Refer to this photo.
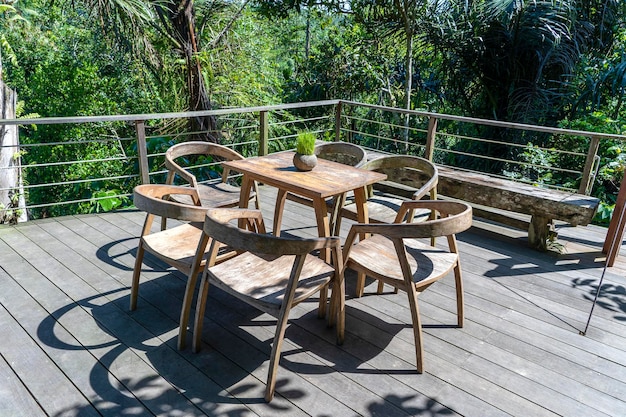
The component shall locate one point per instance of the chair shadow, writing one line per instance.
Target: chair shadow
(129, 336)
(216, 380)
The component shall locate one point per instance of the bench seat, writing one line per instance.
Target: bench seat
(542, 204)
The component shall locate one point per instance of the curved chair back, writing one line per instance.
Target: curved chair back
(343, 152)
(155, 199)
(218, 224)
(195, 148)
(411, 171)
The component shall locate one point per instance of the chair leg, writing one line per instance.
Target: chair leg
(337, 315)
(458, 281)
(278, 211)
(192, 279)
(321, 310)
(186, 308)
(381, 287)
(281, 326)
(417, 328)
(335, 222)
(200, 307)
(134, 288)
(360, 284)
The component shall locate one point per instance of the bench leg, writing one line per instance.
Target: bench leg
(538, 232)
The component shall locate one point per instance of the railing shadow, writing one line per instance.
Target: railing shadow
(515, 259)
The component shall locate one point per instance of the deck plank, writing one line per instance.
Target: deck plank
(64, 288)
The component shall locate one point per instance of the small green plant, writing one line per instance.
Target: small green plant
(305, 143)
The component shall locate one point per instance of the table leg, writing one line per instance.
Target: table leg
(278, 210)
(323, 226)
(244, 197)
(360, 199)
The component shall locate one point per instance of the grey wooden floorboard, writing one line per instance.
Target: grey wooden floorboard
(15, 397)
(519, 353)
(309, 390)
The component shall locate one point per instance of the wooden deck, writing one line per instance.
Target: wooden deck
(70, 347)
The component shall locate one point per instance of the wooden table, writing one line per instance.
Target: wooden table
(327, 179)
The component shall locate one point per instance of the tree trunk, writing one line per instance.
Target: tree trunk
(182, 18)
(11, 185)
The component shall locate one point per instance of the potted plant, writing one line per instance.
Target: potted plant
(305, 158)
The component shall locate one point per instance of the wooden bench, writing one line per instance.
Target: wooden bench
(542, 204)
(508, 202)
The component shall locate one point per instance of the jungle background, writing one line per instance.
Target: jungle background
(554, 63)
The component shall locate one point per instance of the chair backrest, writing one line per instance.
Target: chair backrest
(454, 217)
(154, 200)
(416, 176)
(342, 152)
(196, 148)
(219, 225)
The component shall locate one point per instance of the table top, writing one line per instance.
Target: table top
(325, 180)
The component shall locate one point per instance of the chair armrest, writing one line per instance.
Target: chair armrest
(455, 217)
(429, 187)
(444, 208)
(153, 199)
(175, 169)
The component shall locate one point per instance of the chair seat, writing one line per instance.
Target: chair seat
(219, 194)
(177, 245)
(427, 263)
(382, 208)
(263, 279)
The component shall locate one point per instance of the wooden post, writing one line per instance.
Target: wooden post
(338, 122)
(12, 201)
(615, 233)
(429, 151)
(263, 133)
(142, 152)
(594, 145)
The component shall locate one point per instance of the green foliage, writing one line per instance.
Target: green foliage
(108, 200)
(604, 213)
(305, 143)
(612, 156)
(528, 61)
(10, 214)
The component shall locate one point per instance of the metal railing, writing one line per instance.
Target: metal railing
(87, 169)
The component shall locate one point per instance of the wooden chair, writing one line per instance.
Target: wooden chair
(408, 178)
(213, 193)
(341, 152)
(272, 274)
(176, 246)
(394, 255)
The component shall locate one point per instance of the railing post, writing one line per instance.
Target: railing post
(142, 152)
(263, 133)
(594, 145)
(338, 122)
(429, 151)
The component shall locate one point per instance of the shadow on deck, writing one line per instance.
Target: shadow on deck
(70, 347)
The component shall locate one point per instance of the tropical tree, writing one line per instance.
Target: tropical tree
(514, 59)
(174, 22)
